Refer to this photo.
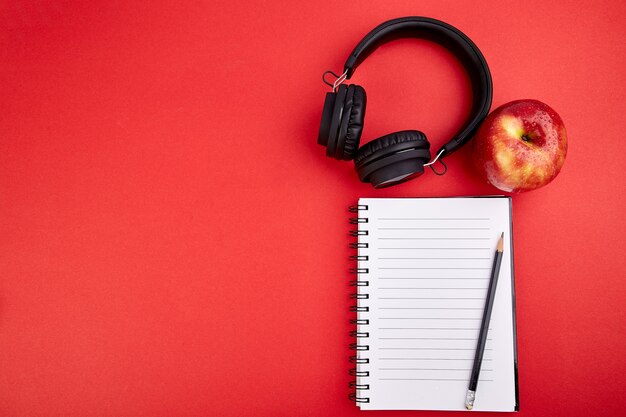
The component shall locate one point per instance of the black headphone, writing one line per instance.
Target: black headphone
(400, 156)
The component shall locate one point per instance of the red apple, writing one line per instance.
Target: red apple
(520, 146)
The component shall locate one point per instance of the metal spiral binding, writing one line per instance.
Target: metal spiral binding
(360, 384)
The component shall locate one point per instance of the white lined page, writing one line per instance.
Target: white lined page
(429, 263)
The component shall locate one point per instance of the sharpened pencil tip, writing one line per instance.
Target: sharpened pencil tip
(500, 246)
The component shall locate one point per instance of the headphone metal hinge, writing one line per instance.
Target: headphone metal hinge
(339, 79)
(431, 163)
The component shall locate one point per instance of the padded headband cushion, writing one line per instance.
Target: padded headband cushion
(378, 148)
(355, 123)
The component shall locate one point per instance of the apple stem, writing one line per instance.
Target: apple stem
(526, 138)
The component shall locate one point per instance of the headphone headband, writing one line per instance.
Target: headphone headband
(452, 39)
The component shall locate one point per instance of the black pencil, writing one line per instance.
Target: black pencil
(484, 325)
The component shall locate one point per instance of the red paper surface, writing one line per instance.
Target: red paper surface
(173, 240)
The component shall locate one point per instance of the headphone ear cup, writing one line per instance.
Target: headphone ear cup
(331, 120)
(353, 122)
(327, 115)
(393, 159)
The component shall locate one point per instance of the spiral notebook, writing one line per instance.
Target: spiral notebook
(423, 268)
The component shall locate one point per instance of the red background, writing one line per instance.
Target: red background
(173, 240)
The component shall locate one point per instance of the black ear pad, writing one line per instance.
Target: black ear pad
(343, 123)
(351, 123)
(393, 158)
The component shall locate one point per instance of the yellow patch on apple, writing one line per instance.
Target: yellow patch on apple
(513, 126)
(504, 156)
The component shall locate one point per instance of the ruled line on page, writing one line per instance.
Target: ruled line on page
(433, 218)
(433, 228)
(432, 379)
(436, 268)
(432, 279)
(430, 298)
(433, 238)
(429, 338)
(433, 359)
(429, 318)
(431, 328)
(421, 348)
(431, 248)
(432, 288)
(432, 369)
(431, 308)
(430, 257)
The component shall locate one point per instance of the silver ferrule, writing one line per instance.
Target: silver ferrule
(469, 399)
